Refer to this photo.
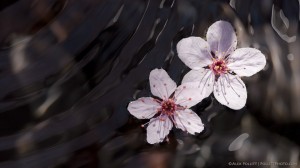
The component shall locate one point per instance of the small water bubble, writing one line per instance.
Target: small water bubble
(180, 144)
(290, 57)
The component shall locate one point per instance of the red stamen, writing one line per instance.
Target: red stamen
(168, 107)
(219, 66)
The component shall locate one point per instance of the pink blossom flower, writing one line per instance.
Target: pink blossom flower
(170, 107)
(217, 65)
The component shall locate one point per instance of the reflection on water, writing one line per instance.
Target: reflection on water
(68, 70)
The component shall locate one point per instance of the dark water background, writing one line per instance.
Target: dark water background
(69, 68)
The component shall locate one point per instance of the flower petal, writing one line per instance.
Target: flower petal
(189, 121)
(230, 91)
(189, 94)
(194, 52)
(221, 38)
(246, 61)
(161, 84)
(158, 129)
(204, 78)
(143, 108)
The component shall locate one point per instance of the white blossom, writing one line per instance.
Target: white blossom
(171, 107)
(217, 65)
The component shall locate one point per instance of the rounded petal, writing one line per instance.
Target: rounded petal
(204, 78)
(143, 108)
(161, 84)
(158, 129)
(189, 121)
(221, 38)
(188, 94)
(230, 91)
(194, 52)
(246, 61)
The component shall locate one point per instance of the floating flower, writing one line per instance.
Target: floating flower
(170, 107)
(217, 65)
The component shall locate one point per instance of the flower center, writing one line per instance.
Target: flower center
(219, 66)
(168, 107)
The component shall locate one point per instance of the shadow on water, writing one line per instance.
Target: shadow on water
(68, 70)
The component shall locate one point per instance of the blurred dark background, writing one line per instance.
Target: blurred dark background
(69, 68)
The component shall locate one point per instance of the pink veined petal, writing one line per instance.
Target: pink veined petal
(143, 108)
(189, 121)
(189, 94)
(161, 84)
(204, 78)
(158, 129)
(246, 61)
(221, 38)
(194, 52)
(230, 91)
